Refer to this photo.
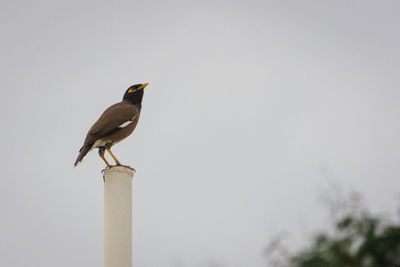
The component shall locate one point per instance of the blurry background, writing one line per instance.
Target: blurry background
(253, 109)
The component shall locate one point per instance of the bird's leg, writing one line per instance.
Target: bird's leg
(112, 155)
(101, 154)
(116, 161)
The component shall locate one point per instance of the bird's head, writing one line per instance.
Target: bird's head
(134, 94)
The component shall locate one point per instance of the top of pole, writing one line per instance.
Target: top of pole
(117, 169)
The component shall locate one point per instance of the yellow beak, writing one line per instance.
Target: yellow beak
(143, 86)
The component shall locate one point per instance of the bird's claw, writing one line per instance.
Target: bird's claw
(129, 167)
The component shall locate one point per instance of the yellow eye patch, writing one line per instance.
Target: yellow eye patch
(132, 90)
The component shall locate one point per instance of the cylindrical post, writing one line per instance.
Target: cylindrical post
(118, 217)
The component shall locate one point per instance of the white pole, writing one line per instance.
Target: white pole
(118, 217)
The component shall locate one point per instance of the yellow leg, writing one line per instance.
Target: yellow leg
(112, 155)
(103, 158)
(101, 154)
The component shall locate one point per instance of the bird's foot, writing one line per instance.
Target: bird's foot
(106, 168)
(126, 166)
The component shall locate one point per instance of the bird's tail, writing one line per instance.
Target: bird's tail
(82, 153)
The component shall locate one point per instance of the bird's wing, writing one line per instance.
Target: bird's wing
(117, 116)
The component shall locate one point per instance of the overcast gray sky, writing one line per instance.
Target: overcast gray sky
(253, 109)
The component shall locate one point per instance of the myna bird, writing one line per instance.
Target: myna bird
(114, 125)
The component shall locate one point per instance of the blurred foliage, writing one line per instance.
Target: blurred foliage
(357, 239)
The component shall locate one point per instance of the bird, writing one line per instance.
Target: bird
(115, 124)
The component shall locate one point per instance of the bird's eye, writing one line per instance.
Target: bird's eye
(131, 90)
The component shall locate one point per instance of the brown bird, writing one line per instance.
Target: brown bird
(115, 124)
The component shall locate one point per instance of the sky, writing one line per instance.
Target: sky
(254, 109)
